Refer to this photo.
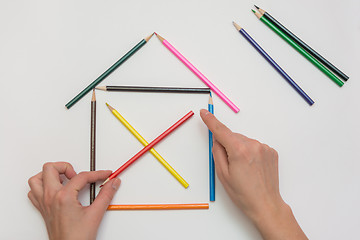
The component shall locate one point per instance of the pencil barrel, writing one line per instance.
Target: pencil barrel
(159, 206)
(105, 74)
(157, 89)
(306, 47)
(303, 52)
(92, 148)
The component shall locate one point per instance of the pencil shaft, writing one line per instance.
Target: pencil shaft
(92, 148)
(211, 161)
(151, 145)
(200, 75)
(152, 150)
(277, 67)
(157, 89)
(159, 206)
(302, 52)
(306, 47)
(105, 74)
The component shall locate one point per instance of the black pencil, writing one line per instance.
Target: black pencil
(303, 44)
(154, 89)
(92, 144)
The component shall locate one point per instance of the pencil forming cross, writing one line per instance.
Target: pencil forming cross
(145, 143)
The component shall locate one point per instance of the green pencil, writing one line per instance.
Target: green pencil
(300, 49)
(108, 72)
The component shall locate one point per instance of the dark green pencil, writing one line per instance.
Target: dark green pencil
(322, 68)
(108, 72)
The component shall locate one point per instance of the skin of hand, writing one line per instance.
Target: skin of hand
(248, 170)
(64, 216)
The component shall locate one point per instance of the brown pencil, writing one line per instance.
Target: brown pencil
(92, 144)
(159, 206)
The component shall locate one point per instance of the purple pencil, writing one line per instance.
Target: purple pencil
(274, 64)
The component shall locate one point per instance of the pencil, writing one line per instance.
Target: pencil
(108, 72)
(211, 157)
(153, 89)
(148, 147)
(300, 49)
(92, 144)
(198, 73)
(159, 206)
(274, 64)
(303, 44)
(145, 143)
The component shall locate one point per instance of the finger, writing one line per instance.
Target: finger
(102, 201)
(219, 130)
(80, 180)
(33, 200)
(36, 186)
(221, 160)
(51, 174)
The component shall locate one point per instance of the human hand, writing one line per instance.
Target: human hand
(64, 216)
(248, 171)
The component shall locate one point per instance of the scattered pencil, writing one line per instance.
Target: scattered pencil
(197, 73)
(148, 147)
(303, 44)
(108, 72)
(153, 89)
(145, 143)
(274, 64)
(211, 156)
(299, 49)
(92, 144)
(159, 206)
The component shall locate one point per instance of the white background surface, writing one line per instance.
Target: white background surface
(50, 50)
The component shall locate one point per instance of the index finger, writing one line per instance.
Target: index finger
(218, 129)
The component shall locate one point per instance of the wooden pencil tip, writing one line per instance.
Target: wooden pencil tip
(210, 100)
(103, 88)
(93, 99)
(237, 26)
(159, 37)
(110, 107)
(253, 10)
(148, 38)
(256, 6)
(104, 182)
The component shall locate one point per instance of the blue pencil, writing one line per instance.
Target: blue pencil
(211, 157)
(274, 64)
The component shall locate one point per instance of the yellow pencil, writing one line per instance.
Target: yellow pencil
(145, 143)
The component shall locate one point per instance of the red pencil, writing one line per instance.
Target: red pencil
(148, 147)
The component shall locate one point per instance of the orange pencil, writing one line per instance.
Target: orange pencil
(159, 206)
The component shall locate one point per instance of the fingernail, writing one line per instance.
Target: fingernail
(204, 111)
(116, 184)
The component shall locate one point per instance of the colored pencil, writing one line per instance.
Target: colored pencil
(274, 64)
(145, 143)
(148, 147)
(153, 89)
(108, 72)
(211, 157)
(159, 206)
(198, 73)
(303, 44)
(300, 49)
(92, 144)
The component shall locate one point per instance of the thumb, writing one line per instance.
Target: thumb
(104, 197)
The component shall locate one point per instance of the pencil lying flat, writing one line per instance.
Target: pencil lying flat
(299, 49)
(198, 73)
(148, 147)
(303, 44)
(159, 206)
(108, 72)
(92, 144)
(153, 89)
(145, 143)
(211, 157)
(274, 64)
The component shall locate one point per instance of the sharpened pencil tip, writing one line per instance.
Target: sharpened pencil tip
(93, 99)
(155, 33)
(236, 26)
(253, 10)
(256, 6)
(110, 107)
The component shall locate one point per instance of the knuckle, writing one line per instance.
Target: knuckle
(47, 165)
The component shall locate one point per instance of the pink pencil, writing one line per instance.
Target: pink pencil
(198, 74)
